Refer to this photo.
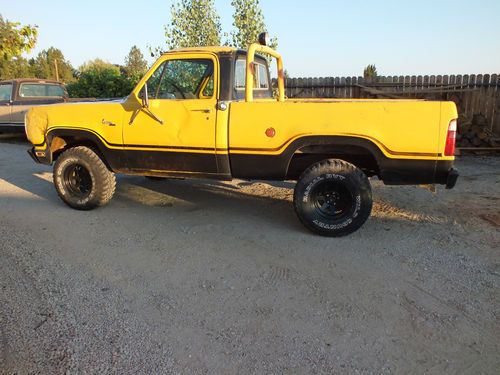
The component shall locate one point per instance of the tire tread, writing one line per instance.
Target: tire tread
(106, 177)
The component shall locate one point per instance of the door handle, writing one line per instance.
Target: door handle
(203, 110)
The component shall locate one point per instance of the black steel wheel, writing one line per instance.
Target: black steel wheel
(332, 200)
(77, 180)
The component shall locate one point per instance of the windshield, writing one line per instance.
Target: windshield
(182, 79)
(44, 90)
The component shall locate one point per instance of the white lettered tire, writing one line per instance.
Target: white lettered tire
(333, 198)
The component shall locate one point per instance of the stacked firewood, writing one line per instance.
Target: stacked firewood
(473, 131)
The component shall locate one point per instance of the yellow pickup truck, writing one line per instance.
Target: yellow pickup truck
(210, 112)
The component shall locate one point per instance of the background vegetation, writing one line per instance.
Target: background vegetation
(193, 23)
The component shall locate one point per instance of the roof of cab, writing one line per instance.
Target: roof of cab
(34, 80)
(213, 49)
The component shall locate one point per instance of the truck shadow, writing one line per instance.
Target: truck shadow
(215, 197)
(268, 202)
(38, 183)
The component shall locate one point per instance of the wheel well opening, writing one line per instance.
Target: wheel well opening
(62, 143)
(356, 155)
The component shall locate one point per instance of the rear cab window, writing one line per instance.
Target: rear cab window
(5, 92)
(41, 90)
(261, 80)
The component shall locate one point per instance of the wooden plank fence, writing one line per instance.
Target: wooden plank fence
(477, 97)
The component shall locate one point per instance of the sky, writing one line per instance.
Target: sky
(317, 38)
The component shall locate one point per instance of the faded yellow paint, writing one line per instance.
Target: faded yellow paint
(93, 115)
(401, 129)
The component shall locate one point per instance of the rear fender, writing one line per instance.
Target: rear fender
(360, 152)
(392, 171)
(277, 167)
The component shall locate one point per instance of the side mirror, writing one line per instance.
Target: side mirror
(145, 96)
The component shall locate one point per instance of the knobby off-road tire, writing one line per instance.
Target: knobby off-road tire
(82, 180)
(333, 198)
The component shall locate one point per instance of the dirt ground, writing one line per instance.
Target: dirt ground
(203, 277)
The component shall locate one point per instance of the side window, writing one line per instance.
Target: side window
(263, 77)
(37, 90)
(182, 79)
(5, 91)
(240, 75)
(260, 80)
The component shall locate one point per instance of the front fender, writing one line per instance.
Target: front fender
(36, 122)
(112, 155)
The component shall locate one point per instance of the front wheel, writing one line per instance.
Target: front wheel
(333, 198)
(82, 180)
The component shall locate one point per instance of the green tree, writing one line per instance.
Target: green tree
(98, 64)
(16, 39)
(43, 65)
(248, 22)
(100, 79)
(17, 67)
(370, 71)
(194, 23)
(135, 64)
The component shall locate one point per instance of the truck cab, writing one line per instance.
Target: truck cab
(182, 109)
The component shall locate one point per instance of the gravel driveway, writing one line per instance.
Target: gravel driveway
(203, 277)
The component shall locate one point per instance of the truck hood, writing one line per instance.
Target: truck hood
(93, 100)
(86, 115)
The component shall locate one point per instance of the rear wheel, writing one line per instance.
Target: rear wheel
(82, 180)
(333, 198)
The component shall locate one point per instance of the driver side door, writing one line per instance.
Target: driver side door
(175, 132)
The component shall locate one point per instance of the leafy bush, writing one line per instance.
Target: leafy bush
(98, 79)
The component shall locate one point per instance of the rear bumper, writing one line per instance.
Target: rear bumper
(445, 174)
(417, 172)
(452, 178)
